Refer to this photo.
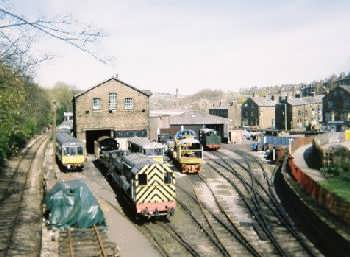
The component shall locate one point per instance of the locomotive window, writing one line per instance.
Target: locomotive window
(80, 150)
(142, 179)
(168, 178)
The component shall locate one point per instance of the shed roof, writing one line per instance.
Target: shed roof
(263, 101)
(198, 118)
(145, 92)
(219, 107)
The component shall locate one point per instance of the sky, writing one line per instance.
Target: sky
(162, 45)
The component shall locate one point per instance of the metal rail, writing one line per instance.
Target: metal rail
(235, 231)
(252, 189)
(11, 211)
(282, 215)
(256, 210)
(70, 244)
(198, 223)
(100, 243)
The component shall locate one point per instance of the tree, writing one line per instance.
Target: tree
(62, 93)
(24, 106)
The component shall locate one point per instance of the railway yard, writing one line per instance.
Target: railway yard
(228, 209)
(172, 129)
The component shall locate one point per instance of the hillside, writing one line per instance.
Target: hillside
(199, 101)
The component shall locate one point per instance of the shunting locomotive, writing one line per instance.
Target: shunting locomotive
(69, 152)
(187, 151)
(210, 139)
(149, 186)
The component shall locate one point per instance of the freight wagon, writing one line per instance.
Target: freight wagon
(145, 146)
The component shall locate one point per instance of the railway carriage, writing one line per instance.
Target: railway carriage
(69, 152)
(149, 186)
(145, 146)
(210, 139)
(187, 152)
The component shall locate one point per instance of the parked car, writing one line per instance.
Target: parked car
(254, 146)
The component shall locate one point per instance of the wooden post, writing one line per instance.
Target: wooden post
(54, 130)
(285, 117)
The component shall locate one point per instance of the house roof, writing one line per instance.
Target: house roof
(198, 118)
(145, 92)
(263, 101)
(306, 100)
(219, 108)
(345, 87)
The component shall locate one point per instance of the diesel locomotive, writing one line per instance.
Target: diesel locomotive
(148, 185)
(187, 151)
(210, 139)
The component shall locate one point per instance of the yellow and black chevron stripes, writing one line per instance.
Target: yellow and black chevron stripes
(154, 194)
(155, 190)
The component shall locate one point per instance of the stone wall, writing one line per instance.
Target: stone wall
(328, 200)
(329, 150)
(266, 117)
(120, 119)
(306, 216)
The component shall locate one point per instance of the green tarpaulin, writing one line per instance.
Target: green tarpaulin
(71, 204)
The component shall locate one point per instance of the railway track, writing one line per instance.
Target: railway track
(255, 189)
(12, 186)
(226, 232)
(234, 229)
(89, 242)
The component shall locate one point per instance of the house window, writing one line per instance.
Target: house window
(330, 104)
(96, 104)
(112, 103)
(128, 104)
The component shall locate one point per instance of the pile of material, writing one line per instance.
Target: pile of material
(71, 204)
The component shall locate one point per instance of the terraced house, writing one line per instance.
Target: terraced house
(111, 108)
(258, 112)
(336, 108)
(302, 113)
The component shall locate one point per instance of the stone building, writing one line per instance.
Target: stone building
(174, 121)
(111, 108)
(232, 112)
(302, 113)
(336, 108)
(258, 112)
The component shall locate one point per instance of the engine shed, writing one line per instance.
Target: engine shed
(112, 108)
(196, 121)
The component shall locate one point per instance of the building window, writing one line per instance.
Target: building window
(330, 104)
(96, 104)
(128, 104)
(112, 103)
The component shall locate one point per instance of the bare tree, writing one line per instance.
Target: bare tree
(17, 33)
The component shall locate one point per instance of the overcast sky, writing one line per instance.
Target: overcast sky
(162, 45)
